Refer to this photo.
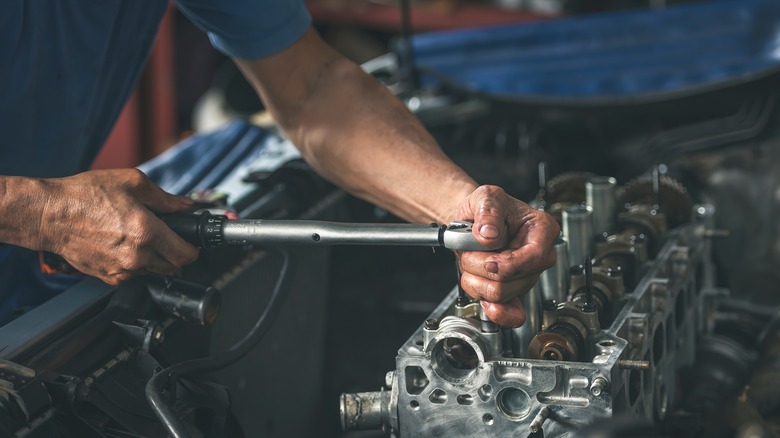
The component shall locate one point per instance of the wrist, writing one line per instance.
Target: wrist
(457, 193)
(53, 213)
(24, 201)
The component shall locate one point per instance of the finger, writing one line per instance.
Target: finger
(153, 264)
(489, 215)
(511, 314)
(139, 261)
(159, 266)
(503, 266)
(157, 199)
(532, 258)
(496, 291)
(171, 247)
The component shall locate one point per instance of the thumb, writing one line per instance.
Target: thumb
(489, 215)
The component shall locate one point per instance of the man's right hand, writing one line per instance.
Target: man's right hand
(103, 223)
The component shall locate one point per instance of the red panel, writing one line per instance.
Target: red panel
(147, 125)
(159, 90)
(425, 17)
(122, 150)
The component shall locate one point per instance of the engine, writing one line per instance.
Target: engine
(607, 329)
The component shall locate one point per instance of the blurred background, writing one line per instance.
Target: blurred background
(190, 87)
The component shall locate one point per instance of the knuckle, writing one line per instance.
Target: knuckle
(185, 257)
(508, 315)
(490, 190)
(549, 260)
(192, 256)
(144, 238)
(119, 278)
(542, 258)
(133, 262)
(135, 177)
(550, 219)
(515, 320)
(135, 222)
(139, 227)
(498, 315)
(491, 292)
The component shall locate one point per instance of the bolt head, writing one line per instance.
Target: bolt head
(158, 335)
(598, 386)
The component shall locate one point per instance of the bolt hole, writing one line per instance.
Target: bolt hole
(485, 392)
(488, 419)
(416, 380)
(315, 237)
(607, 343)
(415, 405)
(514, 402)
(465, 399)
(438, 397)
(419, 343)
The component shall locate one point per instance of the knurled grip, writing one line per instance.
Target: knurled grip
(202, 229)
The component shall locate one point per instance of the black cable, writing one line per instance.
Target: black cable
(119, 406)
(168, 377)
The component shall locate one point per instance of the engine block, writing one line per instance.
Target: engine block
(602, 338)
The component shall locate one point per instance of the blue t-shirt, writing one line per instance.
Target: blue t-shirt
(67, 67)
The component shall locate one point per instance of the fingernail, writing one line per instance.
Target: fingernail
(491, 267)
(488, 231)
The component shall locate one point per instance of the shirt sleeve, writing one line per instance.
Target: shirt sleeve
(249, 29)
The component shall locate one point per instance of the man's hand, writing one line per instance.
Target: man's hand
(103, 223)
(501, 279)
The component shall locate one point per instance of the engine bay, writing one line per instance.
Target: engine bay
(658, 319)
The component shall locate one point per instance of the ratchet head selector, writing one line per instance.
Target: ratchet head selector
(459, 235)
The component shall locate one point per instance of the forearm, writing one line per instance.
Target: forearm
(23, 202)
(374, 147)
(358, 135)
(361, 137)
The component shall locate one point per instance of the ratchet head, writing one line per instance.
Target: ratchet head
(459, 235)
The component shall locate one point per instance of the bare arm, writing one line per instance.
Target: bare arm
(359, 136)
(356, 133)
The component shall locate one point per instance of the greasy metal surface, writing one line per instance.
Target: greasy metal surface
(578, 232)
(554, 282)
(457, 379)
(676, 200)
(601, 197)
